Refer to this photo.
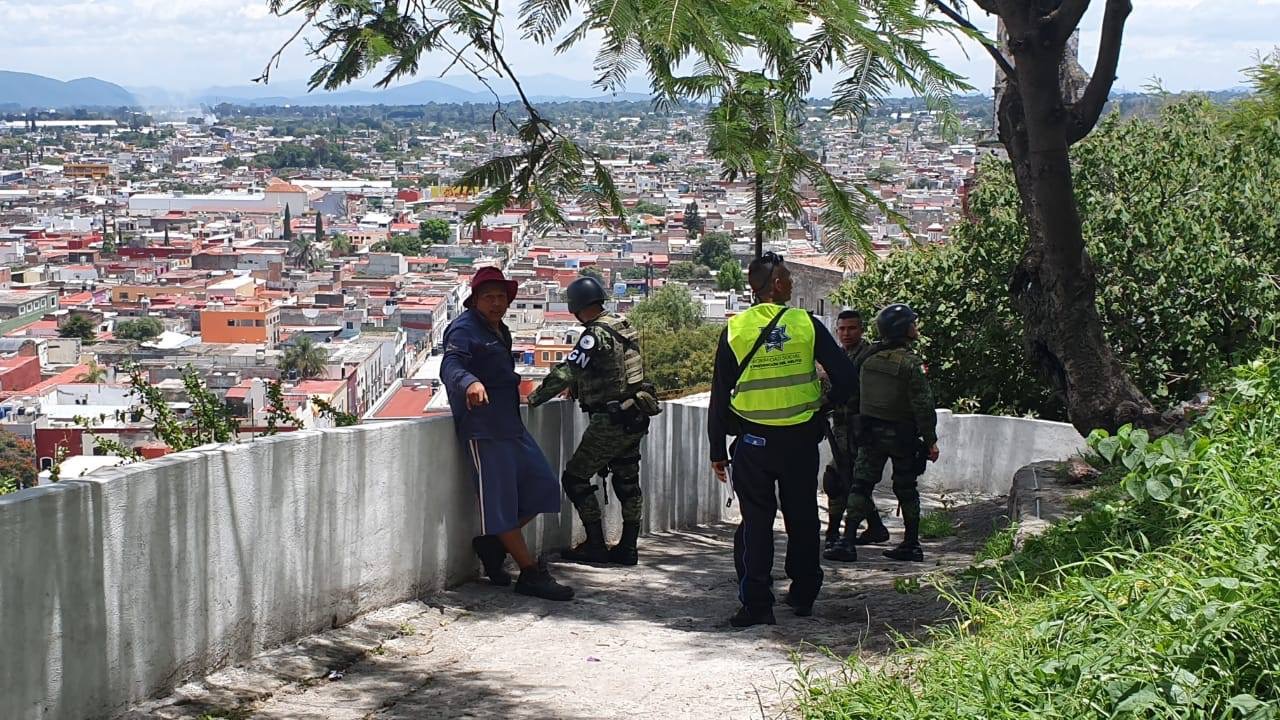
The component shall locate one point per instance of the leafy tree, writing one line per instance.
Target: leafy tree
(1187, 250)
(78, 326)
(319, 227)
(305, 358)
(592, 272)
(94, 373)
(231, 163)
(634, 273)
(683, 270)
(1044, 108)
(671, 308)
(1255, 114)
(693, 222)
(141, 329)
(17, 463)
(690, 52)
(403, 244)
(714, 251)
(278, 412)
(209, 420)
(682, 361)
(659, 158)
(731, 276)
(109, 246)
(644, 207)
(434, 230)
(340, 246)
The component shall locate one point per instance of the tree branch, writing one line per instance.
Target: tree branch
(1086, 111)
(1067, 17)
(963, 22)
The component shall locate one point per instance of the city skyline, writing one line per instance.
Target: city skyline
(190, 45)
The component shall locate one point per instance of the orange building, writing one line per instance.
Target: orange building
(256, 323)
(86, 170)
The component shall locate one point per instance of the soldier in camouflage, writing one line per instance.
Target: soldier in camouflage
(837, 478)
(605, 373)
(898, 423)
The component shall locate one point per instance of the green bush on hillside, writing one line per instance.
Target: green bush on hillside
(1180, 217)
(1163, 601)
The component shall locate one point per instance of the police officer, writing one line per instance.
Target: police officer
(898, 422)
(765, 391)
(606, 374)
(837, 478)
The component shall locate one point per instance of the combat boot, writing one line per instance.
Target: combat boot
(909, 550)
(875, 533)
(624, 553)
(746, 618)
(492, 556)
(906, 552)
(593, 550)
(840, 551)
(536, 581)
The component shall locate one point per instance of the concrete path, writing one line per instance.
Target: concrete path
(644, 642)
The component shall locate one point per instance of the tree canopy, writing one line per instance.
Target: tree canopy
(434, 230)
(142, 329)
(78, 326)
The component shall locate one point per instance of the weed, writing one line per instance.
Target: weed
(999, 545)
(906, 585)
(406, 630)
(935, 525)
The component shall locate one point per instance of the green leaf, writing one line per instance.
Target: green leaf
(1108, 447)
(1133, 459)
(1136, 488)
(1139, 439)
(1157, 489)
(1144, 699)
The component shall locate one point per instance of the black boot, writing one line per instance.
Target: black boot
(593, 550)
(537, 582)
(746, 618)
(842, 550)
(909, 550)
(492, 556)
(624, 553)
(875, 533)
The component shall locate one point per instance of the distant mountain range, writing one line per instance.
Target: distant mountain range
(25, 90)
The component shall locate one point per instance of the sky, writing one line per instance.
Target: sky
(189, 45)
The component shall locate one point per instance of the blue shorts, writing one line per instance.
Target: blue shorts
(513, 481)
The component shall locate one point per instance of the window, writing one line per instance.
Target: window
(559, 356)
(546, 356)
(258, 323)
(231, 323)
(124, 295)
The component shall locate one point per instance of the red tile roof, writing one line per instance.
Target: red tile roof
(407, 402)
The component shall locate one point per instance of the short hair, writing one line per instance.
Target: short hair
(849, 315)
(761, 270)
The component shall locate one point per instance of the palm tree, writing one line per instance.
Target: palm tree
(94, 374)
(305, 358)
(305, 252)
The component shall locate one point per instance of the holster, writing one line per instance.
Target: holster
(627, 415)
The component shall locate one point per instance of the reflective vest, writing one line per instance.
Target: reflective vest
(780, 385)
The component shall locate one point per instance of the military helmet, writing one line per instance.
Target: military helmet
(894, 321)
(584, 292)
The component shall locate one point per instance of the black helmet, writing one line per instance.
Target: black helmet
(894, 321)
(583, 293)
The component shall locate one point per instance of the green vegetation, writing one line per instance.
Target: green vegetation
(78, 326)
(1186, 253)
(714, 250)
(434, 230)
(999, 544)
(304, 357)
(407, 245)
(17, 463)
(934, 525)
(141, 329)
(297, 155)
(731, 276)
(340, 418)
(644, 207)
(677, 343)
(1163, 602)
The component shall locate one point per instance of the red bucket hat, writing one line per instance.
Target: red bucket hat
(491, 274)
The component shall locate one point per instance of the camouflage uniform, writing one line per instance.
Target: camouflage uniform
(898, 413)
(597, 371)
(836, 478)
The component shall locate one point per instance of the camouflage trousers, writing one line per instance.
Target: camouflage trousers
(883, 445)
(605, 448)
(835, 479)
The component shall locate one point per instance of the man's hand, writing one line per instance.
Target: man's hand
(933, 453)
(721, 469)
(477, 396)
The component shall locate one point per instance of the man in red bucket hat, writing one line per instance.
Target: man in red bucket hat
(513, 480)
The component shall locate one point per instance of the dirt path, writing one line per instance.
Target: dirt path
(644, 642)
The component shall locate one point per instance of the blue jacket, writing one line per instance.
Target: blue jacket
(474, 352)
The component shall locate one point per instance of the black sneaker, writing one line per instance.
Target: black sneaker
(537, 581)
(872, 536)
(492, 556)
(745, 618)
(906, 553)
(840, 551)
(801, 610)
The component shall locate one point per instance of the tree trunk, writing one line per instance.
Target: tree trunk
(1054, 285)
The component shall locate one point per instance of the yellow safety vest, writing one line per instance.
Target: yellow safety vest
(780, 385)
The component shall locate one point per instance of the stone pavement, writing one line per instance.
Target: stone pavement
(645, 642)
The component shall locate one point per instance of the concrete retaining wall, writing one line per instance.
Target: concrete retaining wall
(123, 584)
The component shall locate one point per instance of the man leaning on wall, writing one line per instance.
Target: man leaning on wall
(513, 480)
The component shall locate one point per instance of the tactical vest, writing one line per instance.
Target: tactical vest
(883, 385)
(613, 377)
(780, 385)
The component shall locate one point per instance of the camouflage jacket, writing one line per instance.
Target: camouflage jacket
(595, 368)
(893, 387)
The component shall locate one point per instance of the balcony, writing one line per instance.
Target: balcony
(121, 585)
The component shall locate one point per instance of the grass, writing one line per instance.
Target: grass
(999, 544)
(1162, 600)
(934, 525)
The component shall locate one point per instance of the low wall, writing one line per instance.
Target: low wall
(124, 584)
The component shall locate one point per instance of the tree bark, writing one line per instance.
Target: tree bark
(1054, 285)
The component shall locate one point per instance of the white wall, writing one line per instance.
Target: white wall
(125, 583)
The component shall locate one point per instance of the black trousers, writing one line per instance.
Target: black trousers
(784, 470)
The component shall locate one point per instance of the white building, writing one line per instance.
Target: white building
(273, 200)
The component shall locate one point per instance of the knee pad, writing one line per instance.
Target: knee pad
(626, 490)
(576, 488)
